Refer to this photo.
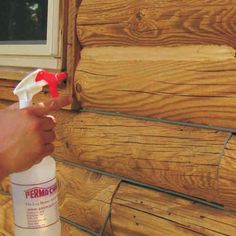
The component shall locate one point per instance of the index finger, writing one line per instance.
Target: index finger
(54, 104)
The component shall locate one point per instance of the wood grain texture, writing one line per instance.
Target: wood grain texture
(6, 90)
(6, 216)
(73, 49)
(128, 221)
(63, 32)
(5, 185)
(227, 176)
(174, 157)
(190, 84)
(6, 220)
(13, 73)
(84, 197)
(69, 230)
(138, 211)
(155, 23)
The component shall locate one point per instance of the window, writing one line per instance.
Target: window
(29, 33)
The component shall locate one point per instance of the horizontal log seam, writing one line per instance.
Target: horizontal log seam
(144, 118)
(6, 102)
(158, 120)
(78, 226)
(143, 185)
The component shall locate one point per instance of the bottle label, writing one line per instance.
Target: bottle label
(35, 206)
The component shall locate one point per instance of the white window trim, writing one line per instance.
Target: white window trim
(33, 55)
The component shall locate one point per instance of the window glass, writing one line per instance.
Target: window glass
(23, 21)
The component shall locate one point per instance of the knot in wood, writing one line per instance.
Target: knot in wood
(78, 88)
(140, 14)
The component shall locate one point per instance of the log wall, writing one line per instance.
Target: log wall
(152, 152)
(196, 87)
(144, 212)
(184, 159)
(168, 60)
(156, 23)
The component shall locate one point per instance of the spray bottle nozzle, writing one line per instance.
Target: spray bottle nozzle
(51, 79)
(33, 84)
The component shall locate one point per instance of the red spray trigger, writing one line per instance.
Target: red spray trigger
(52, 80)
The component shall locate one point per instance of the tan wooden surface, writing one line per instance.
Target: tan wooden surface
(73, 49)
(6, 220)
(13, 73)
(138, 211)
(5, 185)
(63, 32)
(194, 84)
(84, 197)
(149, 152)
(131, 22)
(6, 216)
(227, 176)
(68, 230)
(180, 158)
(6, 89)
(128, 221)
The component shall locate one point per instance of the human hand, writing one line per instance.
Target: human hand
(26, 135)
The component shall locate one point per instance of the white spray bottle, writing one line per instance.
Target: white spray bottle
(34, 191)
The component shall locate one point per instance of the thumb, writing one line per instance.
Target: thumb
(54, 104)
